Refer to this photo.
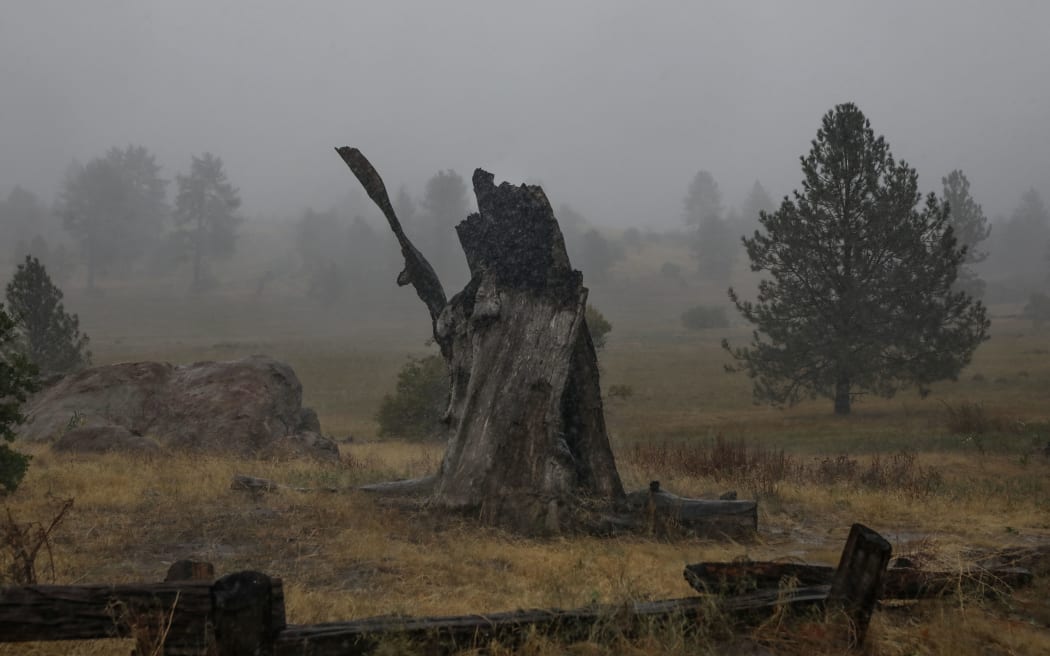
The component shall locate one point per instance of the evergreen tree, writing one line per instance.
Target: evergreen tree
(22, 216)
(444, 205)
(714, 242)
(206, 215)
(702, 200)
(757, 202)
(50, 337)
(17, 380)
(145, 201)
(93, 199)
(971, 228)
(1023, 240)
(115, 208)
(404, 206)
(860, 297)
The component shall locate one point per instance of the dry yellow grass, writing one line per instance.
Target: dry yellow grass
(343, 556)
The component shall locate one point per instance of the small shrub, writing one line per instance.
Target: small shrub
(971, 418)
(21, 544)
(598, 325)
(703, 317)
(415, 410)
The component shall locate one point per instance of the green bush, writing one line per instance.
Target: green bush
(598, 325)
(415, 409)
(703, 317)
(17, 379)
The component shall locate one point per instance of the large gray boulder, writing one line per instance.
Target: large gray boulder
(250, 407)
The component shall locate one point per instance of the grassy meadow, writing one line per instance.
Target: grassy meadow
(934, 480)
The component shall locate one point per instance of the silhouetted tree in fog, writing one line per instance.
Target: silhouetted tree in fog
(596, 255)
(588, 250)
(21, 218)
(404, 206)
(93, 200)
(757, 201)
(145, 200)
(206, 215)
(702, 200)
(444, 204)
(860, 297)
(1022, 244)
(715, 243)
(115, 208)
(971, 228)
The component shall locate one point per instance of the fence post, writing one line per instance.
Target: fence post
(248, 612)
(857, 583)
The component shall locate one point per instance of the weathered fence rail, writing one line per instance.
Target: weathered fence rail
(189, 617)
(244, 613)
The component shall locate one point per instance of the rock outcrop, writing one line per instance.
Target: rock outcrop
(250, 407)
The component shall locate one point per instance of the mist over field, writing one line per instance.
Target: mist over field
(614, 106)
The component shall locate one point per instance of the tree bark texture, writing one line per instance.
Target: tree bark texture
(527, 443)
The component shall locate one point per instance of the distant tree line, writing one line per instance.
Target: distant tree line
(113, 216)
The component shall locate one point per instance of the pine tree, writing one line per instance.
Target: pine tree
(715, 245)
(860, 297)
(971, 228)
(115, 208)
(17, 380)
(206, 213)
(50, 337)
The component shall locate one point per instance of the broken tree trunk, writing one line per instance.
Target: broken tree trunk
(527, 443)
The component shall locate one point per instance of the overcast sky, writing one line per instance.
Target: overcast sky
(613, 106)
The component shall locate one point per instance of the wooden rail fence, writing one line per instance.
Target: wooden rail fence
(243, 613)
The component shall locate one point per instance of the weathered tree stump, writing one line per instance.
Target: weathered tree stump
(527, 442)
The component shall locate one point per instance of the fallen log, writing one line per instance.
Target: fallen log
(258, 485)
(663, 513)
(897, 583)
(450, 633)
